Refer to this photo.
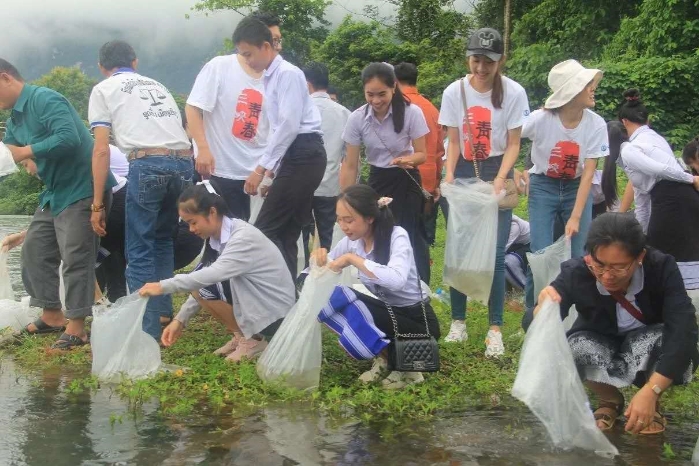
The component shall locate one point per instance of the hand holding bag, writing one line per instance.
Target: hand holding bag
(511, 199)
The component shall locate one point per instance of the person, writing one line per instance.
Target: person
(431, 169)
(382, 253)
(242, 280)
(635, 324)
(497, 108)
(516, 249)
(147, 127)
(333, 94)
(653, 169)
(690, 155)
(227, 121)
(333, 118)
(567, 140)
(44, 127)
(393, 132)
(294, 156)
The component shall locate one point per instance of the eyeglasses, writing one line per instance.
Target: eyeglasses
(613, 271)
(277, 41)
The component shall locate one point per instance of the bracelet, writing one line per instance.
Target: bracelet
(258, 173)
(97, 208)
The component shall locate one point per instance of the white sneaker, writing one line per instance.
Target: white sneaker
(248, 348)
(494, 347)
(230, 345)
(457, 332)
(397, 380)
(378, 370)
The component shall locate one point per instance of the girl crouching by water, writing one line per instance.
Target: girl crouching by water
(382, 253)
(242, 280)
(635, 324)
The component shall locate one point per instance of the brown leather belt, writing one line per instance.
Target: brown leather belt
(140, 153)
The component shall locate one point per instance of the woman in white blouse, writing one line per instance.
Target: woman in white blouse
(655, 172)
(381, 252)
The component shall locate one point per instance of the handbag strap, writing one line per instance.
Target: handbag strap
(425, 193)
(393, 316)
(621, 299)
(468, 129)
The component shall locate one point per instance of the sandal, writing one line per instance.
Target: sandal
(608, 412)
(67, 342)
(42, 327)
(658, 420)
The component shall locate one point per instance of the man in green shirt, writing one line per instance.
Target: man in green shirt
(44, 127)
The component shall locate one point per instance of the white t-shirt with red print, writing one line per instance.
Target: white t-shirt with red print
(235, 125)
(559, 152)
(489, 125)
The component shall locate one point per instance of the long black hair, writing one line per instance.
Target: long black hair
(617, 135)
(632, 108)
(620, 228)
(197, 200)
(384, 73)
(364, 200)
(690, 154)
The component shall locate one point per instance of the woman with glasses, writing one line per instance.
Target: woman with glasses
(635, 325)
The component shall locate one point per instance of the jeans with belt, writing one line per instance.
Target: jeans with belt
(154, 184)
(550, 200)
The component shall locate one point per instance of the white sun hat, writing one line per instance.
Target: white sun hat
(567, 79)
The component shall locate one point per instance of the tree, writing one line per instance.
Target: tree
(72, 83)
(436, 20)
(304, 25)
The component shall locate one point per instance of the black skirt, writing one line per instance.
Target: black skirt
(674, 220)
(410, 319)
(407, 209)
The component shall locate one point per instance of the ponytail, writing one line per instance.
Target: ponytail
(498, 93)
(617, 135)
(632, 108)
(384, 73)
(197, 200)
(365, 202)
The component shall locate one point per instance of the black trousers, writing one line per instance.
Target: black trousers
(110, 274)
(407, 209)
(324, 219)
(232, 191)
(431, 214)
(287, 208)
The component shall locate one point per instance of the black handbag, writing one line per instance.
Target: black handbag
(412, 352)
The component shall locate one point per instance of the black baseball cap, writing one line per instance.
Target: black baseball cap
(485, 41)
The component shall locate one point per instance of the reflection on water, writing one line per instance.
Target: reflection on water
(41, 423)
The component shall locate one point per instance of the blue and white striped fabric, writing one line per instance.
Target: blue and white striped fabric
(349, 317)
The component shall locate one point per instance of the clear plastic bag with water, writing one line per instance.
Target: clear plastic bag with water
(546, 266)
(120, 347)
(7, 163)
(17, 315)
(257, 201)
(293, 357)
(548, 383)
(5, 282)
(695, 456)
(472, 230)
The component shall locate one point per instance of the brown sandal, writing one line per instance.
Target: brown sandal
(608, 412)
(659, 420)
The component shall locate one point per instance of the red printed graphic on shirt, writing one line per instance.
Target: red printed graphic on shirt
(247, 114)
(563, 162)
(479, 118)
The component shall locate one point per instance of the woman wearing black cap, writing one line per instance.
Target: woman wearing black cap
(497, 107)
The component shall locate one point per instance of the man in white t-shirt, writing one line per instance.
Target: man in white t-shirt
(333, 118)
(226, 121)
(148, 128)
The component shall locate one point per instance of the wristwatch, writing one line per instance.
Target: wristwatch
(97, 208)
(658, 391)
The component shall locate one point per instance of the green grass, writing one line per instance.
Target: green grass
(209, 384)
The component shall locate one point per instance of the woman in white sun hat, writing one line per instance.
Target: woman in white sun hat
(567, 139)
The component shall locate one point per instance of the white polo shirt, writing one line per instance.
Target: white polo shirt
(140, 111)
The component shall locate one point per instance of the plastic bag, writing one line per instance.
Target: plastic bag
(7, 163)
(546, 266)
(294, 355)
(120, 347)
(472, 231)
(5, 282)
(548, 383)
(337, 235)
(17, 315)
(695, 456)
(257, 201)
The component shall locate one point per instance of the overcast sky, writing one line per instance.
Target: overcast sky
(35, 33)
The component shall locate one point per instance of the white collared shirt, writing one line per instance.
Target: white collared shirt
(333, 117)
(625, 321)
(290, 110)
(398, 279)
(226, 228)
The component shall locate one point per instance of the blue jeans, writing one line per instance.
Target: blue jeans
(550, 199)
(155, 183)
(496, 303)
